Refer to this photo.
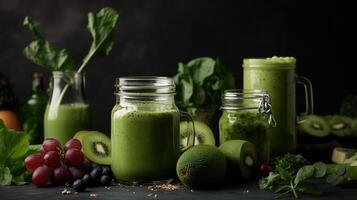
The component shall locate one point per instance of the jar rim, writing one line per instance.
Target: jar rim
(274, 62)
(144, 85)
(236, 99)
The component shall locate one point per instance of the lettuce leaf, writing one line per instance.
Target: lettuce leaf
(14, 147)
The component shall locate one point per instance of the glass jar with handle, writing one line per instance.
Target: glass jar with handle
(278, 78)
(145, 130)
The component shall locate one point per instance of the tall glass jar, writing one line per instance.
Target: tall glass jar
(67, 111)
(145, 130)
(247, 116)
(277, 76)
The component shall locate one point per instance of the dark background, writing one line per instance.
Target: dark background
(154, 35)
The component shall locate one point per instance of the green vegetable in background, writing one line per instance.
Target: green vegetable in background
(200, 83)
(42, 53)
(101, 26)
(14, 147)
(349, 106)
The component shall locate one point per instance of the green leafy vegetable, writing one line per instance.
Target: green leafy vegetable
(101, 25)
(289, 163)
(304, 173)
(200, 84)
(270, 181)
(42, 53)
(14, 147)
(320, 169)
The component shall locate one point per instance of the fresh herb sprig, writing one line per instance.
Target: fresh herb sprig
(293, 174)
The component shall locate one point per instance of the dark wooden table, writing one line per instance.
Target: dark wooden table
(247, 191)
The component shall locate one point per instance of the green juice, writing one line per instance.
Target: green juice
(145, 144)
(249, 126)
(276, 76)
(63, 121)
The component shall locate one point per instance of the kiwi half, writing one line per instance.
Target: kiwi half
(203, 134)
(341, 125)
(314, 125)
(96, 147)
(241, 158)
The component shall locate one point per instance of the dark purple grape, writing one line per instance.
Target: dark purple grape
(96, 173)
(79, 185)
(87, 179)
(105, 180)
(106, 171)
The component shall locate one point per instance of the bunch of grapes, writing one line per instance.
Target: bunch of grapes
(65, 166)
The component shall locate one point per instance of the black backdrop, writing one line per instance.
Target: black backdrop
(154, 35)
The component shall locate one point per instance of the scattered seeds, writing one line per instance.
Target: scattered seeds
(155, 195)
(191, 190)
(133, 192)
(166, 187)
(93, 195)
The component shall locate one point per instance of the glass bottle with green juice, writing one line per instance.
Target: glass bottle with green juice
(277, 77)
(67, 111)
(34, 110)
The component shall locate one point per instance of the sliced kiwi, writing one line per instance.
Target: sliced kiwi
(203, 134)
(96, 147)
(341, 125)
(314, 125)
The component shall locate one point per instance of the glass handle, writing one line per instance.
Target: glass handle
(191, 137)
(309, 99)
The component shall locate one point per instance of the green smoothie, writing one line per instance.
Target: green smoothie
(145, 144)
(63, 121)
(249, 126)
(276, 76)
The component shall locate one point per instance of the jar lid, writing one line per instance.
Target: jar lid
(274, 62)
(240, 99)
(144, 85)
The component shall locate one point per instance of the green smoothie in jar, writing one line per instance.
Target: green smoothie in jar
(246, 116)
(145, 130)
(277, 77)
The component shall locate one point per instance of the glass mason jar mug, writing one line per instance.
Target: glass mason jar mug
(145, 130)
(247, 115)
(67, 111)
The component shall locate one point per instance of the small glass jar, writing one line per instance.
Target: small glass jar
(247, 116)
(145, 130)
(67, 111)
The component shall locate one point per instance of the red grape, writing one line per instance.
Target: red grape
(61, 175)
(76, 173)
(74, 157)
(32, 162)
(41, 176)
(52, 159)
(85, 166)
(265, 169)
(73, 143)
(51, 145)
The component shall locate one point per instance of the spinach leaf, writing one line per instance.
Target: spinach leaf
(14, 147)
(200, 83)
(101, 26)
(42, 53)
(304, 173)
(5, 176)
(320, 169)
